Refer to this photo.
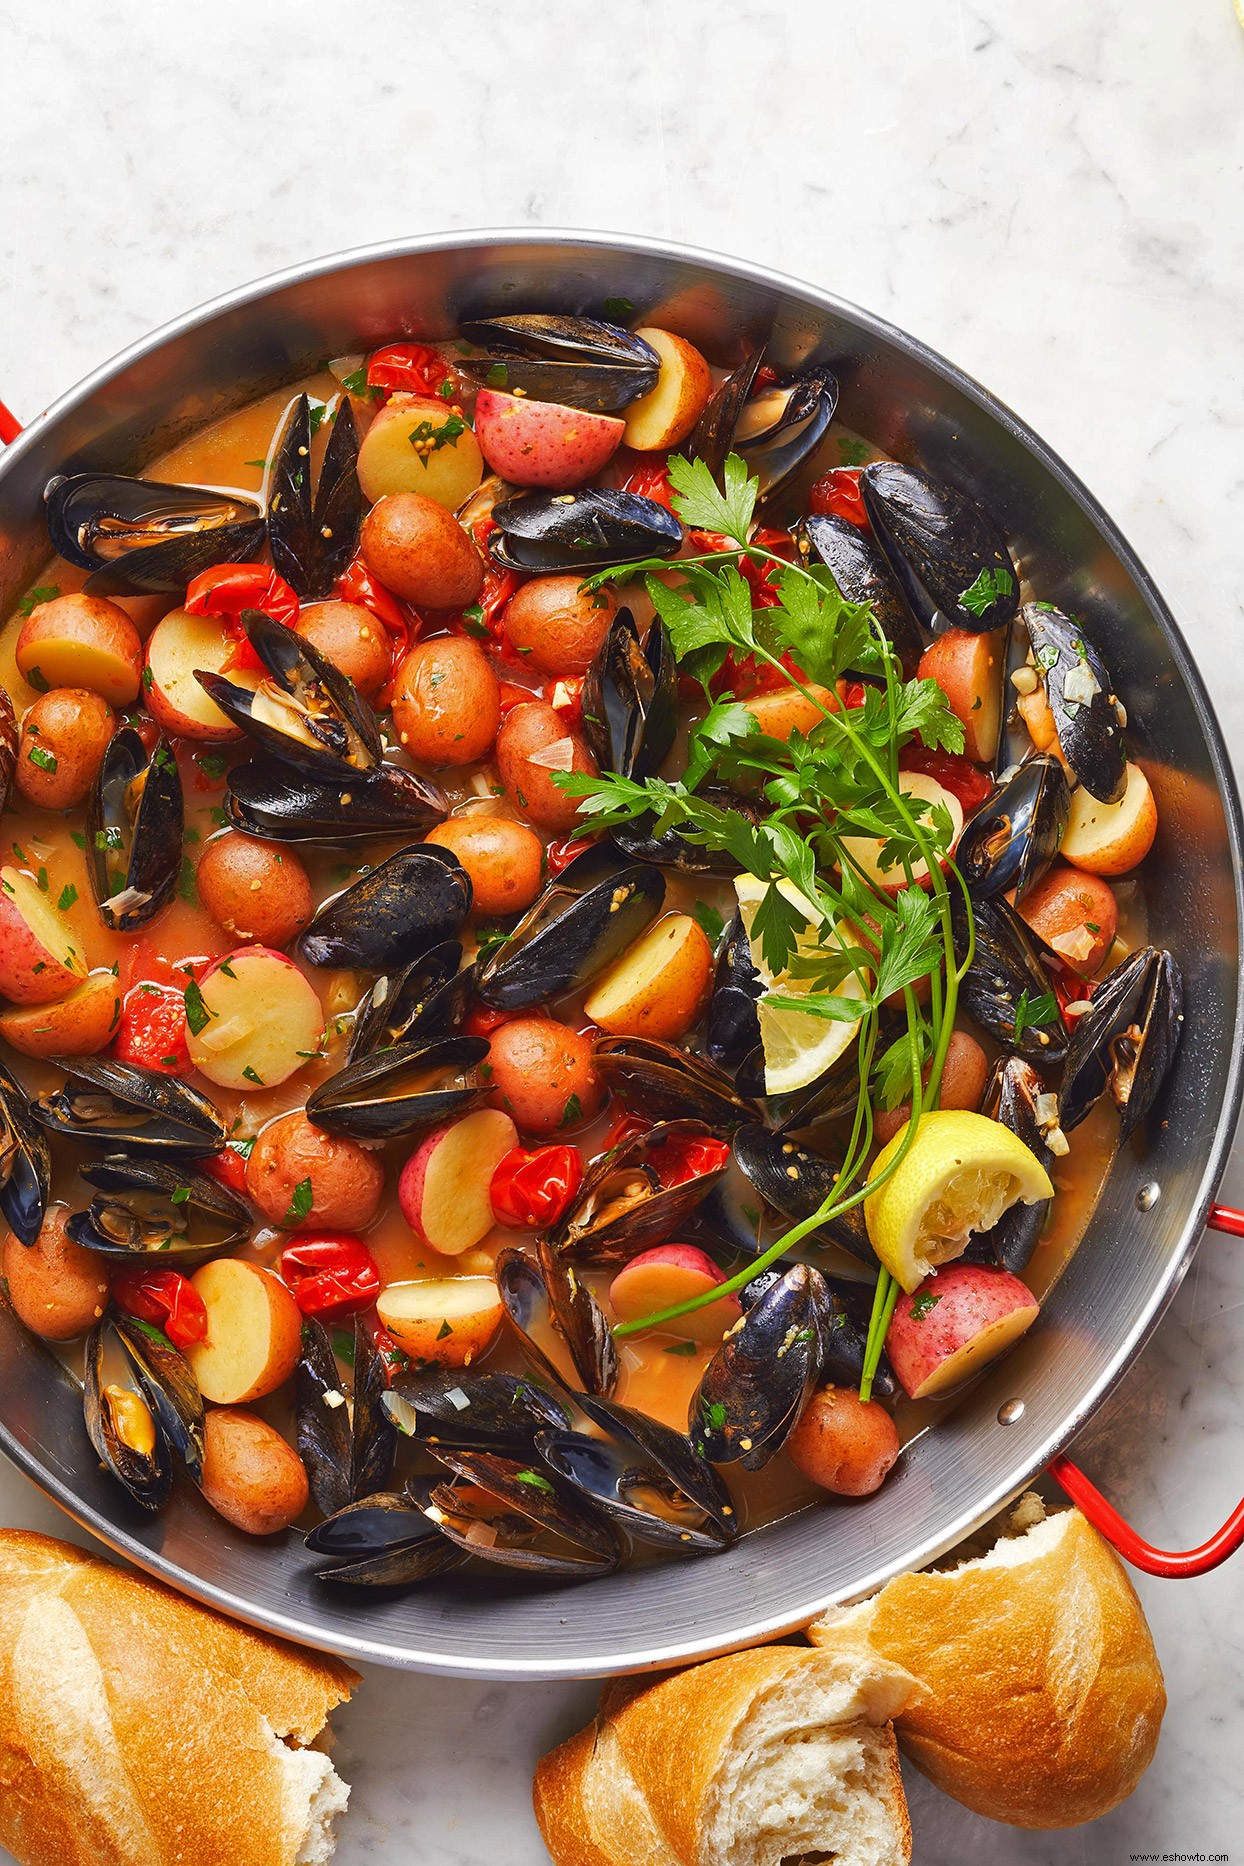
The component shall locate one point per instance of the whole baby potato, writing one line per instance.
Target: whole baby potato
(254, 890)
(555, 626)
(352, 638)
(58, 1288)
(446, 702)
(64, 737)
(543, 1075)
(534, 746)
(843, 1443)
(251, 1476)
(504, 859)
(299, 1175)
(420, 552)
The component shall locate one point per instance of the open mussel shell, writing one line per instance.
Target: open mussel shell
(313, 540)
(733, 1029)
(137, 535)
(122, 1426)
(863, 576)
(106, 1102)
(713, 435)
(581, 531)
(483, 1411)
(397, 1091)
(170, 1388)
(782, 427)
(945, 551)
(796, 1182)
(412, 1004)
(135, 821)
(547, 1302)
(666, 1083)
(754, 1389)
(322, 1426)
(630, 698)
(307, 713)
(397, 911)
(1082, 700)
(509, 1512)
(670, 849)
(387, 1540)
(568, 937)
(1018, 1098)
(153, 1209)
(270, 799)
(1006, 968)
(1010, 842)
(622, 1207)
(25, 1162)
(1125, 1042)
(693, 1507)
(581, 362)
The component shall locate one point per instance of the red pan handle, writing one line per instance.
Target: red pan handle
(10, 426)
(1175, 1564)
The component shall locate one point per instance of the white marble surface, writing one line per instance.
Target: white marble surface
(1048, 193)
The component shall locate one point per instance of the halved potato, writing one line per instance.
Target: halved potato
(451, 1320)
(254, 1332)
(657, 985)
(1111, 838)
(667, 414)
(78, 1025)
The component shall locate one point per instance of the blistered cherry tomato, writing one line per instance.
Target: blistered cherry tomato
(534, 1186)
(227, 589)
(228, 1168)
(331, 1273)
(513, 695)
(358, 585)
(952, 771)
(565, 850)
(680, 1160)
(481, 1020)
(624, 1126)
(152, 1030)
(838, 495)
(411, 366)
(166, 1299)
(651, 480)
(565, 696)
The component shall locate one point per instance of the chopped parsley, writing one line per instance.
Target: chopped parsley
(535, 1480)
(42, 593)
(251, 1075)
(497, 376)
(68, 895)
(198, 1017)
(681, 1347)
(572, 1112)
(709, 921)
(1032, 1013)
(443, 1331)
(923, 1303)
(429, 439)
(981, 595)
(618, 308)
(300, 1203)
(39, 755)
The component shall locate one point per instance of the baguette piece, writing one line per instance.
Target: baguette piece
(1042, 1694)
(137, 1729)
(750, 1760)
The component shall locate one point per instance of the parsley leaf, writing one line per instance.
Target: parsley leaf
(300, 1203)
(702, 505)
(198, 1017)
(709, 921)
(981, 594)
(42, 593)
(1032, 1014)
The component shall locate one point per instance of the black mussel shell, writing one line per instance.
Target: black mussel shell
(135, 822)
(376, 1525)
(307, 714)
(312, 541)
(404, 1566)
(1125, 1042)
(322, 1426)
(845, 1319)
(546, 1301)
(374, 1436)
(630, 699)
(25, 1162)
(796, 1182)
(10, 741)
(581, 531)
(1010, 842)
(109, 1103)
(152, 1209)
(670, 849)
(672, 1453)
(636, 1490)
(137, 535)
(946, 552)
(714, 432)
(410, 1004)
(754, 1389)
(270, 799)
(1006, 968)
(1090, 727)
(398, 1091)
(668, 1084)
(622, 1207)
(399, 910)
(568, 937)
(863, 576)
(781, 428)
(578, 361)
(733, 1029)
(170, 1388)
(119, 1421)
(475, 1411)
(1018, 1098)
(519, 1516)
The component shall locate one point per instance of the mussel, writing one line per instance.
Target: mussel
(645, 1476)
(581, 531)
(476, 1411)
(347, 1446)
(732, 1034)
(1009, 843)
(754, 1389)
(713, 435)
(796, 1182)
(630, 698)
(399, 1090)
(412, 1004)
(10, 741)
(781, 427)
(135, 821)
(149, 1209)
(306, 712)
(25, 1162)
(1018, 1098)
(1125, 1043)
(862, 576)
(844, 1329)
(386, 1540)
(169, 1387)
(947, 554)
(507, 1511)
(579, 361)
(662, 1081)
(1087, 715)
(397, 911)
(671, 849)
(547, 1302)
(121, 1425)
(270, 799)
(138, 535)
(105, 1102)
(568, 937)
(1006, 988)
(640, 1193)
(312, 541)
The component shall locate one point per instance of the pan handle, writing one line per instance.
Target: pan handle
(10, 426)
(1175, 1564)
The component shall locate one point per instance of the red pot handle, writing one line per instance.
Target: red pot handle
(1174, 1564)
(10, 426)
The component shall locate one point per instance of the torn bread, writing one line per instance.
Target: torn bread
(137, 1729)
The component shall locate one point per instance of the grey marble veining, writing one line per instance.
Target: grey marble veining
(1049, 194)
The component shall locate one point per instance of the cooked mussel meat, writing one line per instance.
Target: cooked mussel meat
(796, 1182)
(393, 914)
(169, 1387)
(413, 1004)
(270, 799)
(134, 826)
(1011, 840)
(1087, 714)
(121, 1425)
(581, 362)
(25, 1163)
(1018, 1098)
(666, 1083)
(863, 576)
(1125, 1043)
(947, 554)
(105, 1102)
(508, 1511)
(646, 1476)
(480, 1411)
(781, 427)
(305, 712)
(152, 1208)
(581, 531)
(547, 1303)
(313, 540)
(397, 1091)
(138, 535)
(568, 937)
(630, 698)
(1006, 988)
(754, 1389)
(671, 849)
(640, 1192)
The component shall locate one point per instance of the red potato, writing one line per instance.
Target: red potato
(504, 859)
(254, 1332)
(1075, 913)
(443, 1190)
(844, 1444)
(1111, 838)
(251, 1476)
(543, 443)
(968, 668)
(543, 1074)
(656, 987)
(556, 626)
(420, 443)
(964, 1075)
(259, 1020)
(671, 1273)
(39, 958)
(667, 414)
(79, 1025)
(928, 793)
(785, 711)
(299, 1175)
(533, 745)
(64, 737)
(420, 552)
(82, 641)
(353, 640)
(449, 1321)
(254, 890)
(57, 1288)
(181, 646)
(954, 1324)
(447, 702)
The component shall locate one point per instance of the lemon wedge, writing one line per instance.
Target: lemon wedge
(799, 1046)
(960, 1174)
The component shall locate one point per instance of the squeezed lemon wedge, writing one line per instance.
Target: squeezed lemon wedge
(960, 1174)
(799, 1046)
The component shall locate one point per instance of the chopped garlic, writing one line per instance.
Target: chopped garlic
(334, 1399)
(1077, 945)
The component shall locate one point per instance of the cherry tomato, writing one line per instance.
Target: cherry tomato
(565, 696)
(512, 696)
(651, 480)
(851, 692)
(152, 1030)
(227, 589)
(765, 378)
(394, 1358)
(559, 855)
(680, 1160)
(533, 1187)
(625, 1127)
(481, 1020)
(331, 1273)
(411, 366)
(228, 1168)
(952, 771)
(164, 1298)
(838, 495)
(483, 619)
(358, 585)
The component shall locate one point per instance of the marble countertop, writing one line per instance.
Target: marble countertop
(1050, 195)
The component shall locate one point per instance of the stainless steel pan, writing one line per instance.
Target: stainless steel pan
(1149, 1221)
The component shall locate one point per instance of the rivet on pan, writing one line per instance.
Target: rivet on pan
(1148, 1196)
(1010, 1411)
